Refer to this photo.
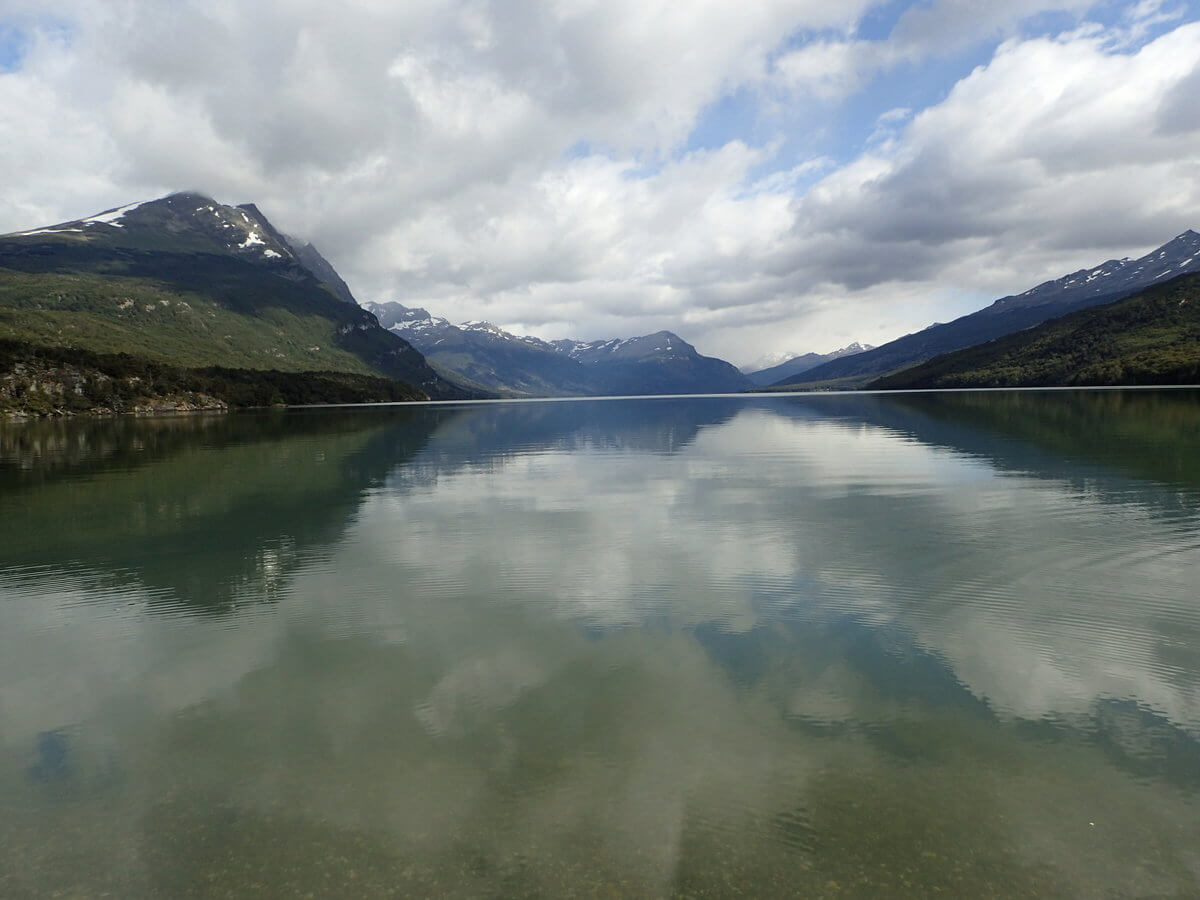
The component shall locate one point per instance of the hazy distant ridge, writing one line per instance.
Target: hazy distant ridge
(802, 363)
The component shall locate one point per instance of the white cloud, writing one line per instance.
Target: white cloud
(830, 69)
(1052, 157)
(528, 164)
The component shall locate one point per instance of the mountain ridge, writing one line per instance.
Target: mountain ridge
(1105, 283)
(1149, 337)
(523, 365)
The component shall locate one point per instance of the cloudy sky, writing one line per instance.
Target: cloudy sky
(761, 177)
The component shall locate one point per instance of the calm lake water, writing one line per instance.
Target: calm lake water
(812, 646)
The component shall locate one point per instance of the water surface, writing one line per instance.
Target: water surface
(830, 646)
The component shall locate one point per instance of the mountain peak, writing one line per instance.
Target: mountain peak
(192, 222)
(400, 318)
(483, 325)
(853, 347)
(790, 365)
(214, 285)
(189, 197)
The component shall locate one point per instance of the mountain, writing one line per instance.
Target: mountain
(1152, 337)
(659, 363)
(189, 282)
(1103, 284)
(307, 256)
(527, 366)
(802, 363)
(486, 355)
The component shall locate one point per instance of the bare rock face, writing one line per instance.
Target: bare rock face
(34, 390)
(180, 403)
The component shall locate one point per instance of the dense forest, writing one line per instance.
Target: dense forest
(38, 380)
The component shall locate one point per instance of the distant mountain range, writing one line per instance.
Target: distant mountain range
(789, 368)
(1105, 283)
(517, 365)
(189, 282)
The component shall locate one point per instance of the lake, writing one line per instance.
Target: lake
(818, 646)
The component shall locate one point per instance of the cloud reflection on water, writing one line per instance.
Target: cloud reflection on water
(651, 656)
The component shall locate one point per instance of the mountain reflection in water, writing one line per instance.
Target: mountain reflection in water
(820, 645)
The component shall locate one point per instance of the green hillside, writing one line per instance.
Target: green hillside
(188, 283)
(1152, 337)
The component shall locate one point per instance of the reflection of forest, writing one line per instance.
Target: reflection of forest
(194, 508)
(1147, 434)
(39, 450)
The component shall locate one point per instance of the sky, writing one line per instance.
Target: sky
(763, 178)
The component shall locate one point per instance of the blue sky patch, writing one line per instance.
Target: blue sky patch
(14, 44)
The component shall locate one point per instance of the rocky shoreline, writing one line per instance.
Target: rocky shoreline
(54, 382)
(33, 390)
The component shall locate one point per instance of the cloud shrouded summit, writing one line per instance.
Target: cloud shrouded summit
(759, 178)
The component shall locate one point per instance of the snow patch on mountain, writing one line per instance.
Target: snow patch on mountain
(51, 230)
(111, 216)
(1125, 275)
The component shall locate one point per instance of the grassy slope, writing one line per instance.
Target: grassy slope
(1150, 338)
(149, 319)
(192, 310)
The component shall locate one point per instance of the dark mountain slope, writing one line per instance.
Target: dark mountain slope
(1088, 287)
(307, 256)
(1152, 337)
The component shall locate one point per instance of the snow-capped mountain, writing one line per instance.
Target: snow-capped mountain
(522, 365)
(661, 345)
(794, 364)
(183, 218)
(192, 222)
(1105, 283)
(1114, 277)
(484, 354)
(191, 282)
